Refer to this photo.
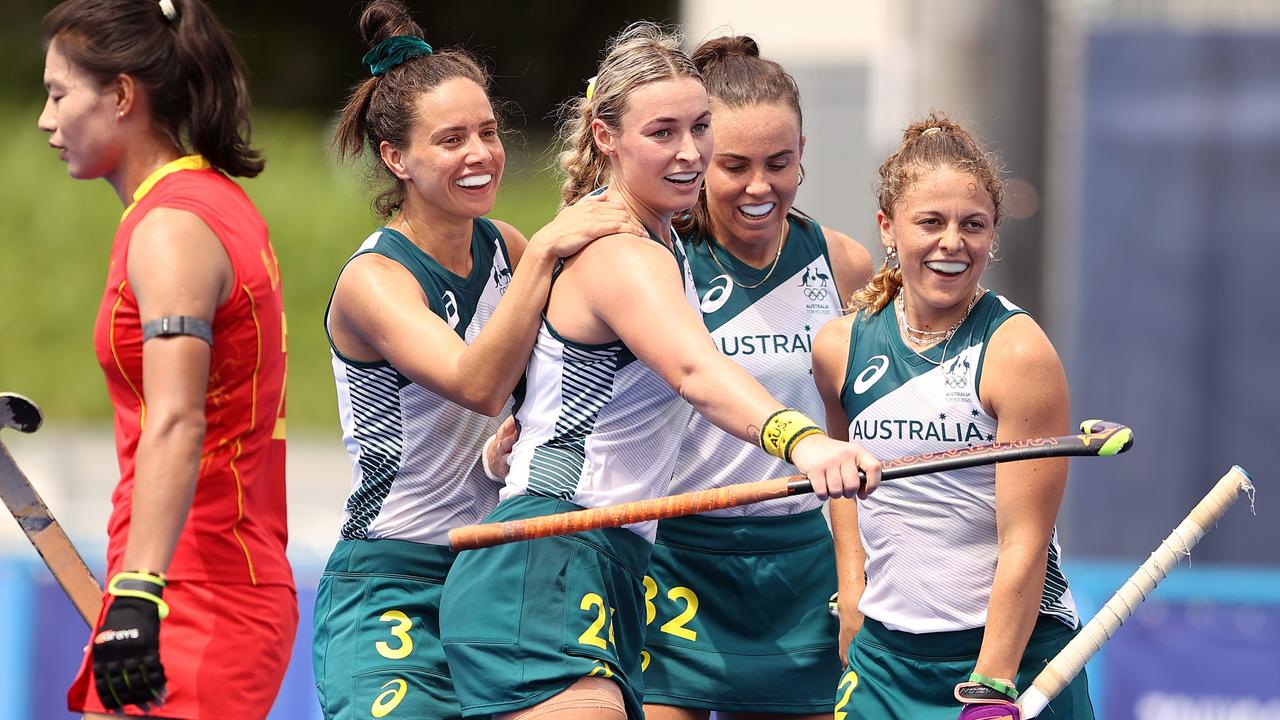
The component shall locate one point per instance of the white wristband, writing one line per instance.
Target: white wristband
(484, 460)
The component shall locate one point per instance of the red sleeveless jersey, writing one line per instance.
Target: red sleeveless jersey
(235, 531)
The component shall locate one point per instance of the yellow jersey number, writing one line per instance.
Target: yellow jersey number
(604, 615)
(846, 686)
(400, 631)
(676, 625)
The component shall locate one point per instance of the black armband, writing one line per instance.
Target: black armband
(178, 325)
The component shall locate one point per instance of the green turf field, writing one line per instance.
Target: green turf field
(55, 235)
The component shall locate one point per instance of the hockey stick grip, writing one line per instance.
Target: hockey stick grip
(1067, 664)
(472, 537)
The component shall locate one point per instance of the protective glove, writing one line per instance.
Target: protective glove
(983, 702)
(126, 648)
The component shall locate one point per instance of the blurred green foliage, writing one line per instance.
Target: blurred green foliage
(303, 55)
(55, 237)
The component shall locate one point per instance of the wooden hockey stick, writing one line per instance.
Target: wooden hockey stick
(44, 532)
(1097, 438)
(1067, 664)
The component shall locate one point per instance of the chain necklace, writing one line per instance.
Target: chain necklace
(931, 337)
(711, 247)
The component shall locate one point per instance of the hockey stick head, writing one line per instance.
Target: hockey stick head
(19, 413)
(1109, 438)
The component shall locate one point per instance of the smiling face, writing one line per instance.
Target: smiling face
(455, 157)
(81, 118)
(943, 228)
(658, 154)
(754, 175)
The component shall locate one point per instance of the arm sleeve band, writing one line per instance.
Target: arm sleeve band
(178, 325)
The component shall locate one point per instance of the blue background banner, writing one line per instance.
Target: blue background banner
(1206, 646)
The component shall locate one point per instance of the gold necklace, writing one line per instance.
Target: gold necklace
(711, 248)
(900, 313)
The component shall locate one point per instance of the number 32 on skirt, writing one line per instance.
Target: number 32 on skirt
(602, 622)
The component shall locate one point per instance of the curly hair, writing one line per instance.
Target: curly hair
(936, 141)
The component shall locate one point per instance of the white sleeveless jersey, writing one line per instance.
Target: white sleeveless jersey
(768, 330)
(597, 426)
(930, 540)
(416, 455)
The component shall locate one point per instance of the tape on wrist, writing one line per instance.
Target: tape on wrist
(999, 685)
(484, 460)
(140, 584)
(784, 429)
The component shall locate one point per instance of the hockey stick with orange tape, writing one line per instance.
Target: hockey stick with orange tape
(1096, 438)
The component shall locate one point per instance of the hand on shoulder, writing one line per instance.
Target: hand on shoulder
(577, 225)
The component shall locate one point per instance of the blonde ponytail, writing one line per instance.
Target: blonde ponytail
(585, 168)
(879, 290)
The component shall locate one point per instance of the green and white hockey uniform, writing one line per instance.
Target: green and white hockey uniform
(768, 330)
(415, 454)
(597, 427)
(930, 540)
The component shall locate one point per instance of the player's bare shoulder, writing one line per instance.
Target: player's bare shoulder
(607, 255)
(831, 351)
(850, 260)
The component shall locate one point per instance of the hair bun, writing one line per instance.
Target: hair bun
(722, 48)
(382, 19)
(936, 123)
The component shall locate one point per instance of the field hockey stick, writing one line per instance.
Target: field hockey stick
(44, 532)
(1067, 664)
(1097, 438)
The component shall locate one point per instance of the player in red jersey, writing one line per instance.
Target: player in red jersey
(200, 609)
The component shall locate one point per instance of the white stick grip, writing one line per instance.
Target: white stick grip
(1067, 664)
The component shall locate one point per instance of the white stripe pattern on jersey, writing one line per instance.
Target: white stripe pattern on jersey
(415, 455)
(378, 429)
(597, 427)
(586, 385)
(1056, 600)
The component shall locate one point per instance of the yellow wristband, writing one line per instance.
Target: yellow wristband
(783, 430)
(140, 584)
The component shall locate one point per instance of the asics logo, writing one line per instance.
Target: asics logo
(450, 309)
(718, 294)
(873, 372)
(389, 698)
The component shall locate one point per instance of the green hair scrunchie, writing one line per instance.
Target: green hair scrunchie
(394, 51)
